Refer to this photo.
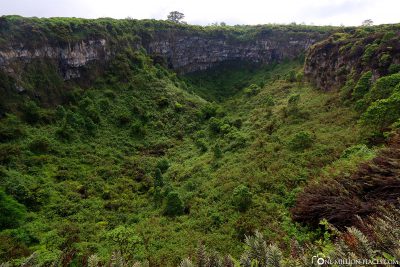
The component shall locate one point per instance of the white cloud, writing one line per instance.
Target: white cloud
(320, 12)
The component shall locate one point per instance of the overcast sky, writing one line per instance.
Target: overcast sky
(318, 12)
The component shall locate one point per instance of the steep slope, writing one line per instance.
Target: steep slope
(73, 44)
(140, 166)
(347, 55)
(128, 161)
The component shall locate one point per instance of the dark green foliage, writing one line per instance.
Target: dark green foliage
(394, 68)
(384, 87)
(294, 100)
(8, 152)
(242, 198)
(363, 85)
(137, 129)
(208, 111)
(11, 212)
(251, 90)
(31, 112)
(301, 140)
(86, 169)
(65, 132)
(217, 151)
(201, 144)
(173, 204)
(40, 145)
(383, 112)
(163, 165)
(11, 128)
(369, 51)
(158, 178)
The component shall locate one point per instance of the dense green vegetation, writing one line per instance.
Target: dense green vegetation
(63, 30)
(146, 159)
(143, 165)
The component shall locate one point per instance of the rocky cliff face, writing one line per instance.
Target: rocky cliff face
(192, 52)
(69, 57)
(184, 51)
(332, 62)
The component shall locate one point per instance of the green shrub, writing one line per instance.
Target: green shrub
(369, 52)
(356, 150)
(301, 141)
(40, 145)
(294, 100)
(31, 112)
(269, 101)
(65, 132)
(178, 106)
(137, 129)
(208, 111)
(110, 94)
(394, 68)
(242, 198)
(217, 151)
(251, 90)
(363, 85)
(60, 112)
(123, 118)
(382, 113)
(8, 152)
(11, 212)
(291, 76)
(385, 60)
(158, 178)
(163, 165)
(11, 128)
(215, 125)
(384, 87)
(201, 144)
(90, 126)
(173, 205)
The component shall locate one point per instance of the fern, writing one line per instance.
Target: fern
(93, 261)
(186, 263)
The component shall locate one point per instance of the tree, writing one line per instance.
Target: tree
(176, 16)
(242, 198)
(174, 204)
(367, 22)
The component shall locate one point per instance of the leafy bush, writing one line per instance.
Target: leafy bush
(363, 85)
(178, 106)
(11, 212)
(40, 145)
(11, 128)
(65, 132)
(242, 198)
(31, 112)
(201, 144)
(208, 111)
(369, 52)
(137, 129)
(394, 68)
(383, 112)
(301, 141)
(173, 204)
(163, 165)
(123, 118)
(8, 152)
(294, 100)
(356, 150)
(251, 90)
(384, 87)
